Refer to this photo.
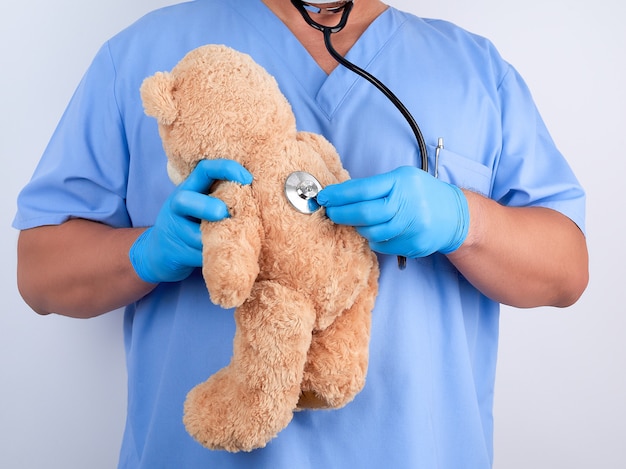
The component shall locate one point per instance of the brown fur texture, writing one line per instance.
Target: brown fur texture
(303, 287)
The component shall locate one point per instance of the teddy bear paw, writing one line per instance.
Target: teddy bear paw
(223, 413)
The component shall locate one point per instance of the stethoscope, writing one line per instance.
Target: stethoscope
(301, 188)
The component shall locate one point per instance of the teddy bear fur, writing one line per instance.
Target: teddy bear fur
(303, 287)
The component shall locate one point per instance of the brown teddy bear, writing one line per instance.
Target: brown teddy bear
(303, 287)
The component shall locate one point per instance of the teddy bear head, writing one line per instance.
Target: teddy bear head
(216, 103)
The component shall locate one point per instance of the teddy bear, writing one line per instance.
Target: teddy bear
(303, 288)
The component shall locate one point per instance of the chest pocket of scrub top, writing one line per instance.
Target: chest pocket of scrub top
(461, 171)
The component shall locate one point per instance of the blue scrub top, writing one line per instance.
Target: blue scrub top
(428, 398)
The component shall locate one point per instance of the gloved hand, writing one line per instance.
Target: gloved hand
(172, 248)
(406, 212)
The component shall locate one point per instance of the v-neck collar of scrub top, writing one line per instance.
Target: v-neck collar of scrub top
(327, 90)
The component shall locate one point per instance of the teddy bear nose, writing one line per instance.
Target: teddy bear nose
(301, 189)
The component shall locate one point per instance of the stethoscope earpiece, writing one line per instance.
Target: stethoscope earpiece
(332, 7)
(329, 6)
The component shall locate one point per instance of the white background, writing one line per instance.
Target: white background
(561, 387)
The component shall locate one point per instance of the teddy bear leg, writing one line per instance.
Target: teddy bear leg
(337, 361)
(247, 403)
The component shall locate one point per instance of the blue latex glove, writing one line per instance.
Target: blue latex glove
(172, 248)
(406, 212)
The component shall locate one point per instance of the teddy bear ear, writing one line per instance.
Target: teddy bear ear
(158, 97)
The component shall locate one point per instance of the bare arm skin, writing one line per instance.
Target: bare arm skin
(78, 269)
(523, 257)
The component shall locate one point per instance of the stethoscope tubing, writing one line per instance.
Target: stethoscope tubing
(419, 138)
(328, 31)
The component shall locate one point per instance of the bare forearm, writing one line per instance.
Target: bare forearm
(524, 257)
(79, 269)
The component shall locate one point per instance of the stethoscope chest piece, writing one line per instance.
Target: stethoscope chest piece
(301, 189)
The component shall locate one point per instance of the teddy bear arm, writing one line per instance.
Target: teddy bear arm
(231, 247)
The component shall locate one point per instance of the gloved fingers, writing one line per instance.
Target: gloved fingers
(186, 259)
(187, 233)
(208, 171)
(190, 258)
(186, 203)
(172, 248)
(393, 229)
(366, 213)
(357, 190)
(404, 212)
(396, 238)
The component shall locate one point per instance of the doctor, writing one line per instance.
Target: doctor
(102, 227)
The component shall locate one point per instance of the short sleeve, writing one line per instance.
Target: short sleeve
(530, 171)
(83, 171)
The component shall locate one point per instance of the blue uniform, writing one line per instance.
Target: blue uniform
(428, 398)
